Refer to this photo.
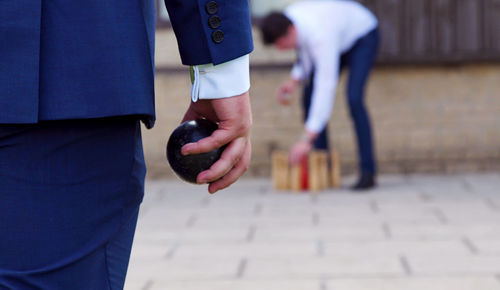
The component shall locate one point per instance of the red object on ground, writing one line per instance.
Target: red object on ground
(304, 174)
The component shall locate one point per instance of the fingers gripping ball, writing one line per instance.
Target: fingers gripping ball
(188, 167)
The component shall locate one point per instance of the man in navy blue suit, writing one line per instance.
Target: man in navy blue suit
(76, 79)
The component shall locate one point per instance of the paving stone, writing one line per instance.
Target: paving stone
(224, 223)
(269, 211)
(318, 267)
(336, 210)
(238, 285)
(277, 199)
(258, 221)
(134, 285)
(480, 230)
(289, 234)
(194, 269)
(142, 273)
(434, 283)
(487, 247)
(408, 214)
(321, 232)
(159, 235)
(470, 213)
(327, 232)
(412, 232)
(475, 230)
(213, 235)
(485, 183)
(247, 250)
(152, 250)
(397, 195)
(434, 231)
(447, 264)
(351, 220)
(394, 195)
(395, 248)
(157, 219)
(212, 211)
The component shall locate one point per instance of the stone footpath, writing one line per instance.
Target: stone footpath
(419, 232)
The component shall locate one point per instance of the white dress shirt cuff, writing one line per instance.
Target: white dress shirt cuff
(297, 72)
(225, 80)
(314, 126)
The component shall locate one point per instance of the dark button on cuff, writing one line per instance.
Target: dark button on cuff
(214, 21)
(218, 36)
(211, 7)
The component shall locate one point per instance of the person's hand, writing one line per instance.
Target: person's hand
(299, 151)
(235, 121)
(285, 90)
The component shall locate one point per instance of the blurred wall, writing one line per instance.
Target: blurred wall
(426, 118)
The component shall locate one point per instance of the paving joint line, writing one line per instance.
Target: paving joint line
(406, 266)
(170, 253)
(251, 233)
(148, 285)
(315, 219)
(257, 210)
(491, 204)
(320, 248)
(424, 196)
(191, 220)
(440, 216)
(159, 195)
(374, 206)
(497, 276)
(241, 268)
(467, 185)
(205, 201)
(470, 245)
(323, 283)
(387, 230)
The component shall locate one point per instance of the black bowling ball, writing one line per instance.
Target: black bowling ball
(188, 167)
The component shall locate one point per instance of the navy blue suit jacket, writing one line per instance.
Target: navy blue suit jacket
(63, 59)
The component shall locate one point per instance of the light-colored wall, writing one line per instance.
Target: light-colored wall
(426, 119)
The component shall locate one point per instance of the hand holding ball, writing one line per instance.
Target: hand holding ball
(189, 166)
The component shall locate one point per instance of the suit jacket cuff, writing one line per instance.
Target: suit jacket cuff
(225, 80)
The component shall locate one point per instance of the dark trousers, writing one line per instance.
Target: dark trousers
(359, 59)
(70, 192)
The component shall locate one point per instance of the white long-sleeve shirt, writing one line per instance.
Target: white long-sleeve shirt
(325, 30)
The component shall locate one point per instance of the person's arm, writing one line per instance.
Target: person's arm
(327, 61)
(211, 31)
(214, 38)
(235, 121)
(300, 71)
(326, 76)
(285, 90)
(302, 67)
(297, 73)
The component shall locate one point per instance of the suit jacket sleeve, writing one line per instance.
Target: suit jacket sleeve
(211, 31)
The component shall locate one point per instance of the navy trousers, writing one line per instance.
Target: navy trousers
(359, 59)
(69, 197)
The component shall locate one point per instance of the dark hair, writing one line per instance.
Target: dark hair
(274, 26)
